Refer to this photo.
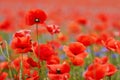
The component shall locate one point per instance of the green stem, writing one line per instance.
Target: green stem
(37, 33)
(3, 52)
(37, 36)
(110, 78)
(7, 57)
(21, 68)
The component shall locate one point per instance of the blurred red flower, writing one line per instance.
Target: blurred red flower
(62, 37)
(81, 20)
(59, 71)
(32, 63)
(6, 25)
(21, 41)
(35, 17)
(75, 51)
(53, 29)
(111, 69)
(74, 28)
(53, 60)
(44, 51)
(54, 44)
(102, 17)
(99, 69)
(33, 76)
(3, 76)
(3, 65)
(95, 71)
(102, 38)
(116, 24)
(113, 45)
(16, 65)
(87, 40)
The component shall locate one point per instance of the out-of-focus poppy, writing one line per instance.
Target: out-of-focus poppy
(102, 17)
(76, 48)
(35, 17)
(53, 29)
(62, 37)
(6, 25)
(16, 64)
(82, 20)
(59, 71)
(111, 69)
(101, 27)
(102, 38)
(3, 65)
(74, 28)
(75, 51)
(99, 69)
(32, 62)
(3, 75)
(53, 60)
(116, 24)
(95, 71)
(54, 43)
(113, 45)
(87, 40)
(21, 41)
(44, 51)
(33, 76)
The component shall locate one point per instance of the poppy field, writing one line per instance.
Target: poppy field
(59, 40)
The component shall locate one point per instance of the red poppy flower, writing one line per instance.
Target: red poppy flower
(76, 53)
(102, 60)
(74, 28)
(77, 61)
(86, 39)
(111, 70)
(16, 64)
(6, 25)
(62, 37)
(59, 71)
(3, 76)
(53, 29)
(21, 42)
(116, 24)
(35, 17)
(33, 76)
(113, 45)
(32, 62)
(101, 27)
(102, 38)
(53, 60)
(44, 51)
(3, 65)
(95, 71)
(54, 44)
(102, 17)
(82, 20)
(76, 48)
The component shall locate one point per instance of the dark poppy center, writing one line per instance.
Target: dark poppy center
(37, 20)
(58, 71)
(1, 43)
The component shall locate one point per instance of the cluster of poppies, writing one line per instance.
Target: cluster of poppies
(31, 57)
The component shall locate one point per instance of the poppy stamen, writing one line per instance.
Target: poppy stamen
(58, 71)
(37, 20)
